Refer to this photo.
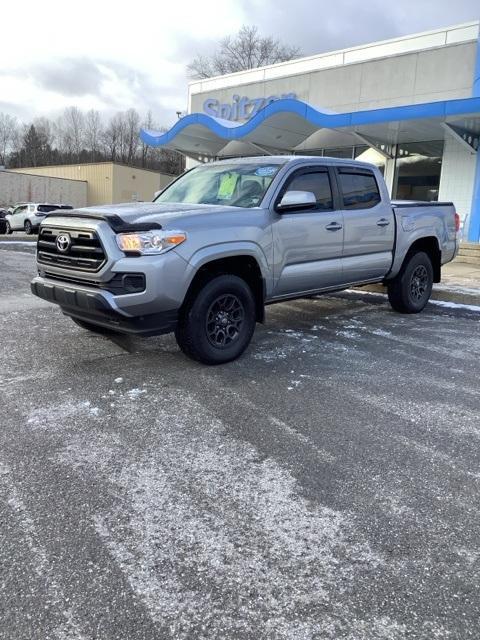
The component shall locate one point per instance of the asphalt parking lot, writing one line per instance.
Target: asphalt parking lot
(325, 486)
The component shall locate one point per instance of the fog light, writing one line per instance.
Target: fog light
(134, 283)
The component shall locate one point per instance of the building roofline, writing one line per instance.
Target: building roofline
(344, 52)
(87, 164)
(26, 171)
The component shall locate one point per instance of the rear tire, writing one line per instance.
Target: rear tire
(104, 331)
(217, 324)
(410, 291)
(28, 227)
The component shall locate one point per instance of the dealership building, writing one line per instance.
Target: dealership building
(410, 105)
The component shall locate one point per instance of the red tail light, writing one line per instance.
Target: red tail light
(457, 222)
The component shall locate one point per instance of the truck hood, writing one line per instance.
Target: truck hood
(139, 215)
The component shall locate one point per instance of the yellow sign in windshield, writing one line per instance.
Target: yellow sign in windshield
(228, 183)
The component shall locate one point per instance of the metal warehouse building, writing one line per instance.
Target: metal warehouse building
(108, 182)
(410, 105)
(22, 187)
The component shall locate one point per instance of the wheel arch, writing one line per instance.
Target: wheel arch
(243, 265)
(431, 247)
(429, 244)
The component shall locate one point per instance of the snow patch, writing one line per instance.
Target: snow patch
(381, 332)
(455, 305)
(347, 334)
(135, 393)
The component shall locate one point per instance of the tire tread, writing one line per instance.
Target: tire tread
(397, 295)
(185, 330)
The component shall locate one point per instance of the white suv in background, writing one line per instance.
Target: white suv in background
(27, 216)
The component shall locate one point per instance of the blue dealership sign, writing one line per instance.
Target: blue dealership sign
(241, 108)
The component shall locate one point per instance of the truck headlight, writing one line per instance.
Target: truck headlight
(150, 242)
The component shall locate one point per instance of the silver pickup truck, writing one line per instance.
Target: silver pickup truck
(227, 238)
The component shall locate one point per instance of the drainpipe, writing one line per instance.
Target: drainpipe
(474, 227)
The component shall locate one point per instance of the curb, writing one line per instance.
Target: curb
(19, 236)
(442, 293)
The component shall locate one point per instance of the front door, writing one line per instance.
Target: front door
(369, 225)
(18, 217)
(308, 244)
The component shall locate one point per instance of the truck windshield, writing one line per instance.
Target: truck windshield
(237, 185)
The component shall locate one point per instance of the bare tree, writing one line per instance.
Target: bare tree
(122, 128)
(74, 127)
(145, 149)
(93, 133)
(8, 132)
(132, 122)
(79, 137)
(64, 138)
(111, 138)
(246, 50)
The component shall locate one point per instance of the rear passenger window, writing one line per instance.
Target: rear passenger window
(317, 182)
(359, 190)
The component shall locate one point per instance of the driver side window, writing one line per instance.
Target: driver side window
(318, 183)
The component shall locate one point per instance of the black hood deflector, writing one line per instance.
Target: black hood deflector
(114, 221)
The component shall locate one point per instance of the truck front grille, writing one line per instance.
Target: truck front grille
(79, 249)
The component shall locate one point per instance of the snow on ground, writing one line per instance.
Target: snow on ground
(238, 525)
(67, 627)
(455, 305)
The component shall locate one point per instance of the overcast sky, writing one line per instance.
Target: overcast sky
(113, 55)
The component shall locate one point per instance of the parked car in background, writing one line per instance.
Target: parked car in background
(28, 216)
(3, 222)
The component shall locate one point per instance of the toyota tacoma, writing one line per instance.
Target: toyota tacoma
(229, 237)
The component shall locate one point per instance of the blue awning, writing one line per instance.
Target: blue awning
(288, 125)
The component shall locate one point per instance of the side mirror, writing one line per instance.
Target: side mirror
(297, 200)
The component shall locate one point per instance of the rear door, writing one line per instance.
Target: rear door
(308, 244)
(369, 225)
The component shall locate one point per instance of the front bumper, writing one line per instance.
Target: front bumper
(99, 308)
(36, 221)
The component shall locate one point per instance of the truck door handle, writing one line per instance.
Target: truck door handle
(383, 222)
(333, 226)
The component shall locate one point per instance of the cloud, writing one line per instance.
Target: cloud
(69, 76)
(142, 61)
(320, 26)
(18, 110)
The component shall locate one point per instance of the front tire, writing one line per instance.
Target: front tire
(8, 228)
(217, 324)
(28, 227)
(410, 291)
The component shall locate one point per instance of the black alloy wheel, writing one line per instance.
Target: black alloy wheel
(224, 320)
(217, 322)
(410, 291)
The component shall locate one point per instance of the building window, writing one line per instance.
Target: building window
(369, 154)
(417, 170)
(339, 152)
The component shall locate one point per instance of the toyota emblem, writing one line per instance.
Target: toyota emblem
(63, 242)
